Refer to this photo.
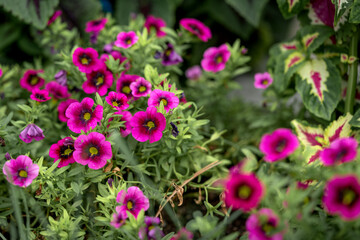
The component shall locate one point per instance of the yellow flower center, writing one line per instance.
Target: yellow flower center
(151, 227)
(34, 80)
(126, 89)
(348, 197)
(150, 124)
(99, 81)
(142, 89)
(67, 151)
(163, 100)
(84, 61)
(129, 205)
(87, 116)
(93, 151)
(23, 173)
(128, 41)
(244, 192)
(115, 103)
(267, 228)
(219, 59)
(168, 52)
(265, 82)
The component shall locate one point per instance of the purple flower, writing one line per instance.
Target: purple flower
(118, 219)
(152, 230)
(118, 101)
(170, 57)
(153, 23)
(63, 150)
(183, 234)
(63, 106)
(61, 77)
(169, 100)
(85, 59)
(96, 25)
(57, 90)
(197, 28)
(40, 95)
(7, 156)
(340, 151)
(82, 117)
(215, 58)
(31, 132)
(126, 39)
(31, 80)
(174, 130)
(99, 80)
(92, 150)
(93, 37)
(123, 84)
(244, 51)
(278, 145)
(132, 201)
(21, 171)
(262, 80)
(194, 73)
(108, 47)
(140, 88)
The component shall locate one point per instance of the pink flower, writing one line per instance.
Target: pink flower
(63, 150)
(57, 90)
(92, 150)
(262, 225)
(1, 72)
(140, 88)
(132, 201)
(61, 77)
(342, 196)
(193, 73)
(118, 101)
(126, 39)
(31, 132)
(31, 80)
(278, 145)
(126, 117)
(82, 117)
(85, 59)
(243, 191)
(197, 28)
(96, 25)
(262, 80)
(169, 100)
(183, 234)
(40, 95)
(99, 80)
(148, 125)
(340, 151)
(215, 58)
(170, 56)
(118, 219)
(21, 171)
(54, 17)
(123, 84)
(153, 23)
(152, 230)
(62, 109)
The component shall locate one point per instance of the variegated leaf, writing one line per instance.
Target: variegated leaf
(339, 128)
(308, 135)
(340, 7)
(318, 16)
(313, 36)
(289, 8)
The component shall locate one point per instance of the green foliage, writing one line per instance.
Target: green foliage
(250, 10)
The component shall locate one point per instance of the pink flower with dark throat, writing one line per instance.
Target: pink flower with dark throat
(140, 88)
(31, 132)
(342, 196)
(85, 59)
(92, 150)
(31, 80)
(148, 125)
(62, 109)
(21, 171)
(63, 150)
(215, 58)
(193, 73)
(40, 95)
(118, 219)
(96, 25)
(133, 201)
(262, 80)
(123, 84)
(170, 56)
(152, 229)
(197, 28)
(99, 80)
(169, 100)
(153, 23)
(118, 101)
(57, 90)
(340, 151)
(82, 117)
(278, 145)
(126, 39)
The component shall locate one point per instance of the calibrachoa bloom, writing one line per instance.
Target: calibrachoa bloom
(262, 80)
(152, 230)
(342, 196)
(193, 73)
(31, 80)
(215, 58)
(169, 100)
(31, 132)
(96, 25)
(243, 191)
(118, 219)
(174, 130)
(54, 17)
(155, 24)
(261, 225)
(1, 72)
(123, 84)
(85, 59)
(21, 171)
(170, 57)
(62, 109)
(126, 39)
(148, 125)
(117, 100)
(278, 145)
(140, 88)
(40, 95)
(99, 80)
(63, 150)
(61, 77)
(126, 117)
(92, 150)
(183, 234)
(340, 151)
(197, 28)
(132, 201)
(82, 117)
(57, 90)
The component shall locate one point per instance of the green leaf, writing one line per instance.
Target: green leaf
(355, 12)
(355, 121)
(122, 11)
(340, 7)
(290, 8)
(250, 10)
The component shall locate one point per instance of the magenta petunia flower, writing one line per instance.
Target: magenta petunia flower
(278, 145)
(31, 132)
(63, 150)
(1, 72)
(170, 57)
(99, 80)
(62, 109)
(85, 59)
(61, 77)
(40, 95)
(118, 101)
(152, 230)
(153, 23)
(123, 84)
(126, 117)
(262, 80)
(215, 58)
(21, 171)
(148, 125)
(169, 100)
(96, 25)
(92, 150)
(82, 117)
(263, 225)
(194, 73)
(57, 90)
(197, 28)
(54, 17)
(340, 151)
(126, 39)
(118, 219)
(342, 196)
(132, 201)
(31, 80)
(183, 234)
(140, 88)
(243, 191)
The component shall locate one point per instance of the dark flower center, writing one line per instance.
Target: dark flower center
(126, 89)
(22, 173)
(244, 192)
(85, 115)
(33, 79)
(164, 101)
(66, 151)
(168, 52)
(195, 28)
(96, 22)
(85, 59)
(218, 58)
(40, 96)
(93, 151)
(348, 196)
(128, 40)
(98, 79)
(149, 125)
(339, 156)
(142, 88)
(280, 145)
